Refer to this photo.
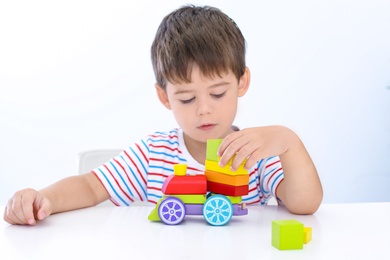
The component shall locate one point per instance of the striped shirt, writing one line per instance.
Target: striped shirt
(138, 172)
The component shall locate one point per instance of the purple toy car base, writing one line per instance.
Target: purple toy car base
(217, 210)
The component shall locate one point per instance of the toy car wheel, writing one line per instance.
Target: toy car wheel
(218, 210)
(171, 211)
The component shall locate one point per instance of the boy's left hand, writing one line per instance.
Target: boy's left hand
(254, 144)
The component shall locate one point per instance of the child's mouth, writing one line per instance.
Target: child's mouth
(206, 127)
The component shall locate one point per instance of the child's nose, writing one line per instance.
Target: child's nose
(204, 107)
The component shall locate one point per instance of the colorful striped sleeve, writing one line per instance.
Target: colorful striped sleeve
(125, 176)
(264, 179)
(271, 175)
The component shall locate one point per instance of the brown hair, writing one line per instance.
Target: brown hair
(204, 36)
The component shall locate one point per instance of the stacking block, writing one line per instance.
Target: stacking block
(194, 184)
(234, 180)
(194, 209)
(240, 210)
(233, 199)
(307, 234)
(180, 169)
(214, 166)
(153, 216)
(230, 162)
(193, 204)
(212, 149)
(190, 198)
(227, 189)
(287, 234)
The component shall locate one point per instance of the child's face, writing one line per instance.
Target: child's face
(206, 107)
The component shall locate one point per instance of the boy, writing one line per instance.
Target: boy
(198, 57)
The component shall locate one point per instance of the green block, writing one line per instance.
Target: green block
(153, 216)
(212, 149)
(190, 198)
(233, 199)
(287, 234)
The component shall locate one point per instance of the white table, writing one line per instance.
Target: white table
(340, 231)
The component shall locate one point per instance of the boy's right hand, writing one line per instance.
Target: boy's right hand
(26, 207)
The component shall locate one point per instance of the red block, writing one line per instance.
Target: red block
(227, 190)
(189, 184)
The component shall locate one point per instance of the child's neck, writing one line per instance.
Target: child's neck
(196, 149)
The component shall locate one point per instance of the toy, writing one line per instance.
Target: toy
(216, 195)
(234, 180)
(222, 180)
(307, 234)
(179, 184)
(289, 234)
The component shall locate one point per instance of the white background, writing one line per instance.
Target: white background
(76, 75)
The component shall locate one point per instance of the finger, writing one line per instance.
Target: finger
(256, 156)
(227, 141)
(16, 210)
(250, 162)
(28, 210)
(10, 216)
(228, 154)
(7, 215)
(43, 209)
(242, 156)
(236, 151)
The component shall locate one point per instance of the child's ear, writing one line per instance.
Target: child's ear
(162, 96)
(244, 83)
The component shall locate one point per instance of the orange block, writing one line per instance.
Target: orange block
(228, 190)
(234, 180)
(189, 184)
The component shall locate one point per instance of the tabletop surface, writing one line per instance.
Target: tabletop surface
(347, 231)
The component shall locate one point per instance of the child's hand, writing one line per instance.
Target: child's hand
(254, 144)
(301, 190)
(27, 206)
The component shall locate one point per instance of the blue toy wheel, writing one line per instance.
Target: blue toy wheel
(218, 210)
(171, 211)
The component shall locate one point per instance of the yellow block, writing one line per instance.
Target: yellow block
(231, 160)
(180, 169)
(214, 166)
(307, 233)
(233, 180)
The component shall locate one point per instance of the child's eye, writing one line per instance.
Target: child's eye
(187, 101)
(219, 95)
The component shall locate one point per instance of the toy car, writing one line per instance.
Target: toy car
(216, 195)
(217, 209)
